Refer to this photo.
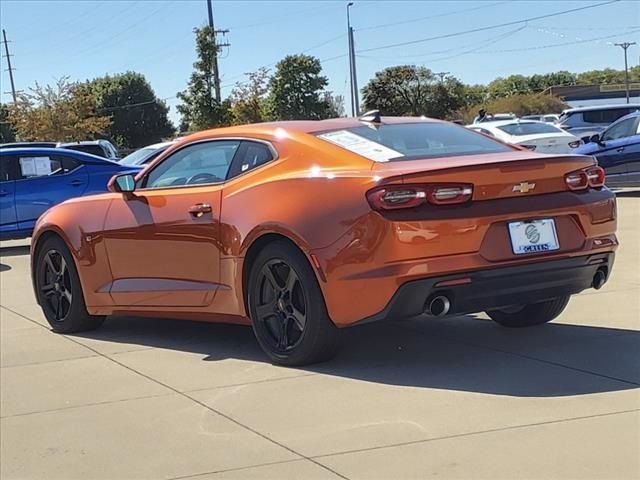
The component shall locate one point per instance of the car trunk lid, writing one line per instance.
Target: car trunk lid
(493, 176)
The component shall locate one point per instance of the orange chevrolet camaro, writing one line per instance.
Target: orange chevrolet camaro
(302, 228)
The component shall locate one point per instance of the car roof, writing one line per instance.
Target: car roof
(86, 157)
(159, 145)
(301, 126)
(83, 142)
(501, 123)
(601, 107)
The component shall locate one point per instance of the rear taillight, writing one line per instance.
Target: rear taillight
(575, 144)
(589, 177)
(393, 197)
(596, 176)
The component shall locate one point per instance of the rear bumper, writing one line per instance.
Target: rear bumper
(497, 287)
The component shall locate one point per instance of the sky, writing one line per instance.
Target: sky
(84, 39)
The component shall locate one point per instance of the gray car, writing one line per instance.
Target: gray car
(587, 121)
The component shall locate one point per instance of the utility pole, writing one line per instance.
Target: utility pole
(10, 69)
(441, 75)
(216, 71)
(625, 46)
(355, 97)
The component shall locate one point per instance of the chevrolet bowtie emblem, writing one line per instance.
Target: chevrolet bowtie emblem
(523, 187)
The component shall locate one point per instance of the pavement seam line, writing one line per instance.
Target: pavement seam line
(214, 472)
(71, 407)
(45, 362)
(269, 380)
(479, 432)
(195, 400)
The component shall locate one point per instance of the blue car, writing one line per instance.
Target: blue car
(35, 179)
(617, 149)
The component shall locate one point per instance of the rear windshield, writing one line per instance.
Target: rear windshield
(519, 129)
(411, 141)
(140, 156)
(92, 149)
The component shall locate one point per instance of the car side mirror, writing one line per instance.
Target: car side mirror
(123, 183)
(596, 139)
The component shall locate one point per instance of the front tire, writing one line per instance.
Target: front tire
(59, 291)
(287, 309)
(529, 315)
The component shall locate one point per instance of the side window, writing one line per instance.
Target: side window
(45, 165)
(250, 156)
(623, 129)
(9, 168)
(200, 163)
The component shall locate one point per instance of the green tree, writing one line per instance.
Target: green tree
(296, 90)
(7, 133)
(248, 99)
(607, 76)
(64, 112)
(410, 90)
(336, 105)
(199, 107)
(512, 85)
(138, 117)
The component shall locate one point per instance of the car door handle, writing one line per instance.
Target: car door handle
(200, 209)
(620, 150)
(76, 183)
(3, 193)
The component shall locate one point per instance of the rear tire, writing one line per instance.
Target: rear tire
(287, 309)
(529, 315)
(59, 291)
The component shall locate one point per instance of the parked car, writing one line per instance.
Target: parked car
(586, 121)
(617, 149)
(548, 118)
(282, 225)
(34, 179)
(146, 154)
(101, 148)
(28, 144)
(538, 136)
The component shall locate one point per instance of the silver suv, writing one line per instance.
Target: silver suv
(587, 121)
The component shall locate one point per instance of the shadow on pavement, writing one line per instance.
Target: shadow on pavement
(14, 251)
(628, 193)
(464, 353)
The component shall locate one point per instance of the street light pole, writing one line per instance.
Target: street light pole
(355, 107)
(625, 46)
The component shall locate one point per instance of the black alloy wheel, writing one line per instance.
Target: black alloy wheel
(55, 285)
(281, 305)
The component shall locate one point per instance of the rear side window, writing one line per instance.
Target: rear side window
(519, 129)
(412, 141)
(605, 116)
(251, 155)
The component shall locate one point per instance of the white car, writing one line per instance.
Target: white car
(539, 136)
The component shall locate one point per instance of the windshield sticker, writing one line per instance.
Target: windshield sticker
(360, 145)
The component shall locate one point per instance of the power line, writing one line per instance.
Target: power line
(563, 44)
(490, 27)
(413, 20)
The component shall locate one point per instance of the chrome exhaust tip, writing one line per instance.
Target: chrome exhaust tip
(599, 278)
(438, 306)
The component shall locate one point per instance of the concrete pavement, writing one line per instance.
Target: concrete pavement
(457, 398)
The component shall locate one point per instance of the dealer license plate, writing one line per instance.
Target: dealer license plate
(534, 236)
